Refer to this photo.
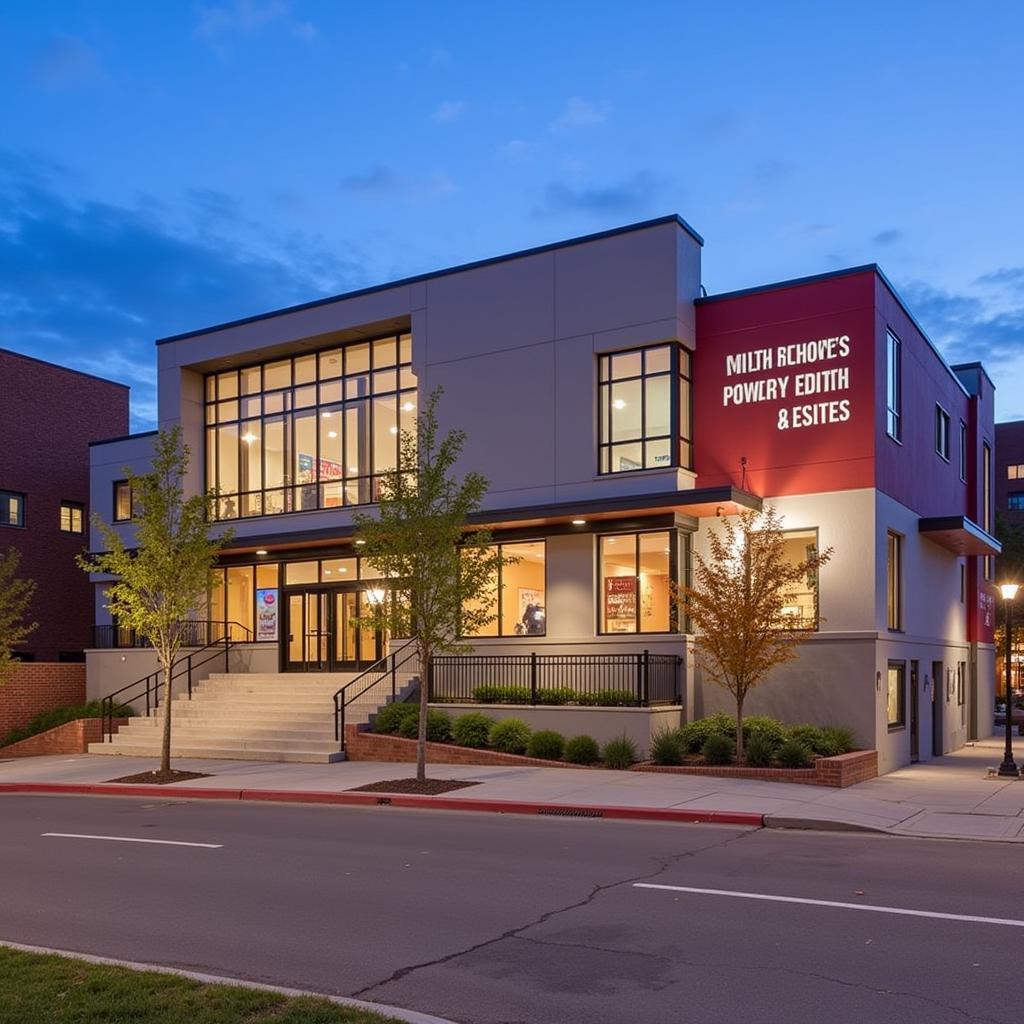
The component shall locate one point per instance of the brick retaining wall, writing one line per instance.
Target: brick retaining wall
(69, 738)
(839, 772)
(37, 686)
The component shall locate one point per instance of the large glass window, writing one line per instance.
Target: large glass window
(801, 599)
(247, 598)
(636, 573)
(894, 581)
(12, 508)
(517, 598)
(894, 386)
(896, 694)
(311, 432)
(644, 409)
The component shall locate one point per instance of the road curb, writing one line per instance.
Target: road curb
(409, 1016)
(401, 800)
(820, 824)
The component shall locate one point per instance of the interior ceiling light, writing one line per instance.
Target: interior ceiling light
(332, 434)
(262, 551)
(249, 438)
(360, 542)
(394, 430)
(408, 407)
(619, 404)
(579, 522)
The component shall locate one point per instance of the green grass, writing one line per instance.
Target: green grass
(36, 989)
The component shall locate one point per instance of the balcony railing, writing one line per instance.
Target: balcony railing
(623, 680)
(197, 633)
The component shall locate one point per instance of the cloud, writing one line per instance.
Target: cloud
(890, 236)
(383, 182)
(66, 62)
(91, 285)
(1005, 277)
(246, 18)
(579, 113)
(624, 198)
(449, 110)
(516, 149)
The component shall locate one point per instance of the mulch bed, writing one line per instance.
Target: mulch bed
(158, 778)
(429, 787)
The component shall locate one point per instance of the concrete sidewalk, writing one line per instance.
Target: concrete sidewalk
(949, 797)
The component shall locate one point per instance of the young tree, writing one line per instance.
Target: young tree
(15, 597)
(159, 584)
(736, 605)
(419, 541)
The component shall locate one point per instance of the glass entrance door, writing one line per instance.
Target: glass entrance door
(322, 632)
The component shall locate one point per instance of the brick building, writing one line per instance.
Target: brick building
(48, 416)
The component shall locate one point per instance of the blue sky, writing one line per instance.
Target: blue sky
(168, 165)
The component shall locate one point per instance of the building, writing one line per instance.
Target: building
(48, 416)
(617, 413)
(1009, 442)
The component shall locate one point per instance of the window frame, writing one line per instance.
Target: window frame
(680, 435)
(816, 626)
(963, 452)
(19, 498)
(901, 722)
(894, 386)
(72, 507)
(894, 581)
(987, 501)
(117, 485)
(679, 570)
(943, 433)
(499, 635)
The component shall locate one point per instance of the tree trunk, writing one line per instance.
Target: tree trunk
(739, 728)
(165, 749)
(421, 740)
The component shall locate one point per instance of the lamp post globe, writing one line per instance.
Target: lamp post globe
(1008, 769)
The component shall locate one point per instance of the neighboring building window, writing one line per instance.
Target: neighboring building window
(1015, 472)
(636, 575)
(517, 600)
(894, 581)
(986, 501)
(313, 431)
(801, 607)
(894, 386)
(122, 501)
(1015, 501)
(644, 409)
(896, 694)
(12, 508)
(963, 451)
(942, 432)
(72, 517)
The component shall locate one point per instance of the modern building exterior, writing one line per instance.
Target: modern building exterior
(1009, 471)
(617, 414)
(48, 416)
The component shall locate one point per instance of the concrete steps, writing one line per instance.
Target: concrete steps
(253, 717)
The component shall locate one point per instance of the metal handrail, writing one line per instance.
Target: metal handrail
(341, 700)
(199, 632)
(151, 682)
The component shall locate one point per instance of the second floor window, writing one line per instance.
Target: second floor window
(122, 501)
(12, 508)
(312, 431)
(894, 582)
(644, 409)
(942, 432)
(893, 387)
(1015, 501)
(72, 517)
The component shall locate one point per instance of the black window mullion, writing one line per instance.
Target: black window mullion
(636, 569)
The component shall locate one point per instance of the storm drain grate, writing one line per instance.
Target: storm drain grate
(572, 812)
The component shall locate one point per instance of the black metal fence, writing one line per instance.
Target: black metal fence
(609, 680)
(197, 633)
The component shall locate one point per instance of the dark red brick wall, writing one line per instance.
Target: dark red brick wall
(839, 772)
(34, 687)
(48, 416)
(69, 738)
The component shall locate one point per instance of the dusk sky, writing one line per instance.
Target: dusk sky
(170, 165)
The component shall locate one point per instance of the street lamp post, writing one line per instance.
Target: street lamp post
(1009, 769)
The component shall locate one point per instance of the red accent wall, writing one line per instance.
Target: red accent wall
(796, 459)
(48, 416)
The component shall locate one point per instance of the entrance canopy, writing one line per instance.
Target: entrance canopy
(959, 534)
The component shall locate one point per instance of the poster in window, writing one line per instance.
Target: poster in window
(266, 614)
(620, 604)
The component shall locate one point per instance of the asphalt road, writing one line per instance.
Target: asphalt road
(487, 918)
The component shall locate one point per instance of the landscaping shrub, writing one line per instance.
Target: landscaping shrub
(555, 694)
(582, 750)
(837, 739)
(510, 736)
(794, 754)
(61, 716)
(809, 735)
(759, 750)
(390, 717)
(667, 747)
(718, 749)
(501, 694)
(619, 753)
(439, 727)
(695, 734)
(761, 725)
(547, 744)
(608, 699)
(472, 729)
